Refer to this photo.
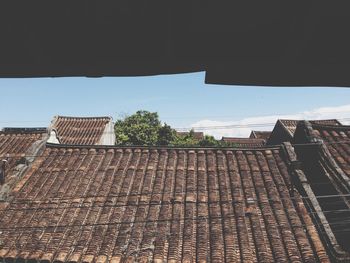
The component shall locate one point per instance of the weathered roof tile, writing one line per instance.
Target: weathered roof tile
(244, 142)
(260, 135)
(325, 153)
(337, 140)
(192, 205)
(291, 125)
(80, 130)
(18, 146)
(284, 129)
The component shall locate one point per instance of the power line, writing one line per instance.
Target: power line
(248, 125)
(63, 200)
(252, 116)
(343, 222)
(81, 205)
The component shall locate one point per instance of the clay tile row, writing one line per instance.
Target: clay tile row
(110, 204)
(83, 130)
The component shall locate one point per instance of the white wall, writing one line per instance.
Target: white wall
(108, 136)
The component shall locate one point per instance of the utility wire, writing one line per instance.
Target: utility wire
(83, 205)
(345, 222)
(47, 201)
(173, 192)
(248, 125)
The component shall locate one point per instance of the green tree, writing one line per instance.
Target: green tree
(209, 140)
(145, 128)
(141, 128)
(166, 135)
(186, 140)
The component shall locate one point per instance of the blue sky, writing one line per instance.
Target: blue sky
(181, 100)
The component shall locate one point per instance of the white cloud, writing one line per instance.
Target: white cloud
(267, 122)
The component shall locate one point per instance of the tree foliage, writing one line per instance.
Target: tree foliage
(166, 135)
(145, 128)
(186, 140)
(141, 128)
(209, 141)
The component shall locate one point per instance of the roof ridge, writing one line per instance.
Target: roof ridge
(331, 126)
(261, 131)
(161, 147)
(309, 120)
(242, 138)
(85, 117)
(23, 130)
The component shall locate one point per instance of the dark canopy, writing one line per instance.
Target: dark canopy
(236, 42)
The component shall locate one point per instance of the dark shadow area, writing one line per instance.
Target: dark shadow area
(333, 204)
(235, 42)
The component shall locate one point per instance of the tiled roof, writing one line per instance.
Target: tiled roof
(99, 204)
(244, 142)
(80, 130)
(337, 140)
(291, 125)
(284, 130)
(18, 147)
(260, 134)
(325, 153)
(15, 142)
(196, 135)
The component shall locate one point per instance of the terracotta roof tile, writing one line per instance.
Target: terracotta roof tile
(15, 142)
(284, 130)
(244, 142)
(291, 125)
(99, 204)
(325, 153)
(337, 140)
(260, 135)
(80, 130)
